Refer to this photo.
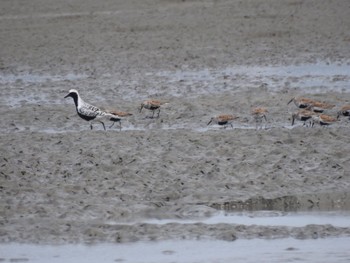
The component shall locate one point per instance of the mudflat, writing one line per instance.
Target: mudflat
(61, 182)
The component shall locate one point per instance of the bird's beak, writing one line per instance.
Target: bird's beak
(210, 121)
(68, 95)
(290, 101)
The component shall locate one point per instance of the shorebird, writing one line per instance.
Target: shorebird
(302, 115)
(302, 102)
(152, 105)
(345, 111)
(320, 107)
(121, 114)
(223, 120)
(314, 105)
(323, 120)
(89, 112)
(259, 114)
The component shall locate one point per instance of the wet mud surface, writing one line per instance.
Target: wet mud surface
(61, 182)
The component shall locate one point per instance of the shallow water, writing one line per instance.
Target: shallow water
(257, 250)
(309, 78)
(268, 218)
(304, 78)
(35, 78)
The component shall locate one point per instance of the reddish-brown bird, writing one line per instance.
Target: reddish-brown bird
(323, 119)
(345, 111)
(223, 120)
(153, 105)
(302, 115)
(259, 114)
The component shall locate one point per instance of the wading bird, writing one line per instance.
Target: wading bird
(91, 113)
(153, 105)
(323, 120)
(320, 107)
(223, 120)
(302, 115)
(259, 114)
(302, 102)
(345, 111)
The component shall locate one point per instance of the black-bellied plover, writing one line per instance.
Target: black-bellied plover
(345, 111)
(91, 113)
(302, 115)
(259, 114)
(223, 120)
(153, 105)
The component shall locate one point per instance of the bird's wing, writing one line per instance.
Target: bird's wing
(345, 108)
(322, 105)
(90, 110)
(226, 117)
(119, 113)
(328, 118)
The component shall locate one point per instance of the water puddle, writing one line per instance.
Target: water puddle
(35, 78)
(303, 78)
(185, 251)
(311, 78)
(64, 15)
(267, 218)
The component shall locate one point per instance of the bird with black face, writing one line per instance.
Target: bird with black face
(91, 113)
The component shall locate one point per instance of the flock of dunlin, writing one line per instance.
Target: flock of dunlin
(310, 111)
(313, 111)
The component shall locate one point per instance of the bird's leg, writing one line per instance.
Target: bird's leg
(90, 125)
(256, 123)
(112, 124)
(158, 112)
(104, 127)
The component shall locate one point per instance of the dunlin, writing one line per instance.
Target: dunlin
(302, 102)
(302, 115)
(153, 105)
(259, 114)
(223, 120)
(323, 119)
(320, 107)
(345, 111)
(314, 105)
(121, 114)
(89, 112)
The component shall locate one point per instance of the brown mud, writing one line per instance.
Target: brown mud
(60, 182)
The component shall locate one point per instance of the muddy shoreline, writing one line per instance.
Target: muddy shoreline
(63, 183)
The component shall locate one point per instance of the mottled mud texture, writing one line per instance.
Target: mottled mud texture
(60, 182)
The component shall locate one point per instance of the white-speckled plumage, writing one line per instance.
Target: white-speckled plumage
(91, 113)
